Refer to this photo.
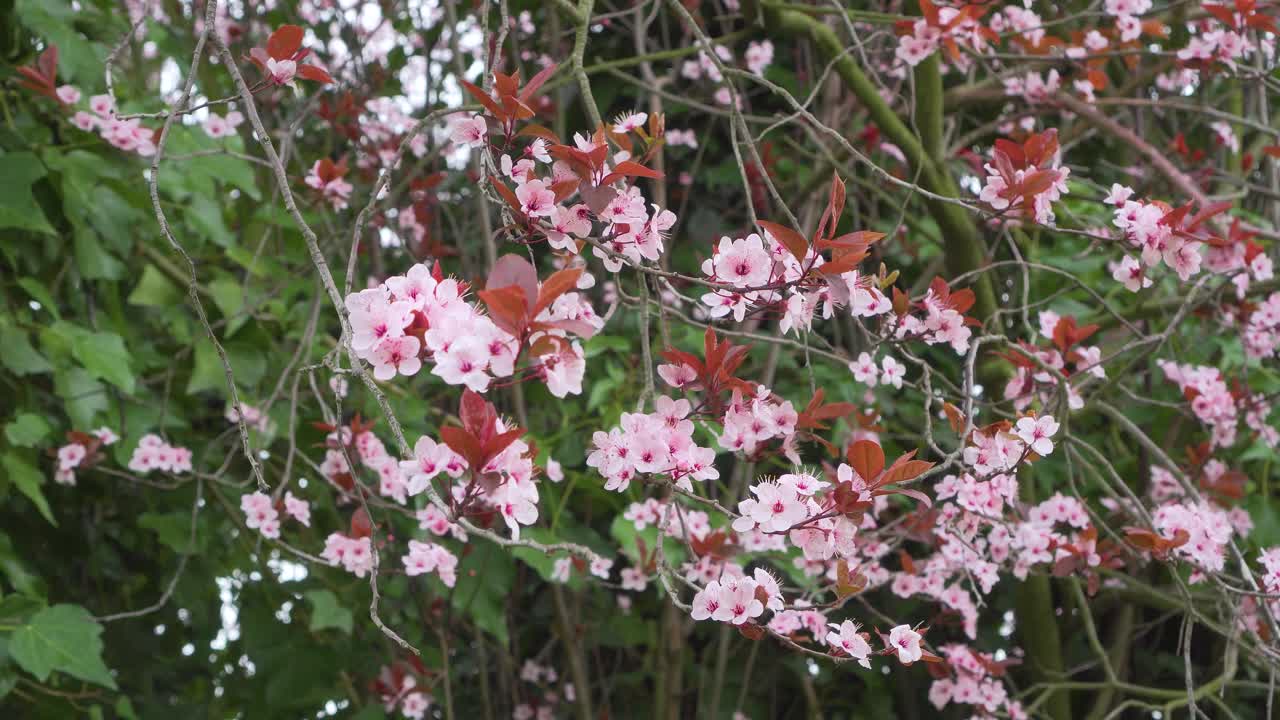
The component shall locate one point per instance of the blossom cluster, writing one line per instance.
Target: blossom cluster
(502, 475)
(81, 451)
(1218, 406)
(153, 453)
(420, 316)
(1025, 180)
(791, 504)
(428, 557)
(546, 698)
(127, 135)
(657, 443)
(973, 678)
(261, 512)
(1261, 332)
(630, 232)
(354, 554)
(763, 273)
(943, 322)
(1145, 230)
(400, 685)
(1037, 368)
(757, 57)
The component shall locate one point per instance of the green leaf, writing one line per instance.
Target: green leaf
(154, 290)
(231, 170)
(58, 22)
(65, 638)
(18, 208)
(94, 261)
(27, 430)
(28, 480)
(174, 530)
(205, 215)
(228, 295)
(83, 396)
(104, 355)
(17, 354)
(326, 613)
(17, 609)
(124, 709)
(625, 533)
(38, 291)
(484, 579)
(8, 681)
(16, 572)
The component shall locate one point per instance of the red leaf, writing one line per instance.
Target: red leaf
(484, 99)
(1037, 182)
(536, 82)
(477, 414)
(867, 458)
(627, 168)
(463, 443)
(361, 525)
(507, 308)
(1208, 212)
(903, 469)
(540, 132)
(1222, 13)
(558, 284)
(954, 417)
(314, 73)
(832, 411)
(962, 300)
(48, 63)
(929, 11)
(506, 194)
(846, 262)
(790, 239)
(284, 42)
(494, 447)
(514, 270)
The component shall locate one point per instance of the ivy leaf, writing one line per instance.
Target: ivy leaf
(154, 290)
(27, 430)
(17, 354)
(18, 208)
(326, 613)
(65, 638)
(28, 481)
(104, 355)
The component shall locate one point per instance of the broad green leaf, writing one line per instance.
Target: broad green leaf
(17, 609)
(8, 681)
(27, 430)
(18, 208)
(228, 295)
(174, 530)
(124, 709)
(28, 480)
(83, 396)
(62, 23)
(542, 562)
(16, 572)
(18, 355)
(624, 531)
(104, 355)
(65, 638)
(154, 290)
(94, 261)
(484, 579)
(38, 291)
(205, 214)
(326, 613)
